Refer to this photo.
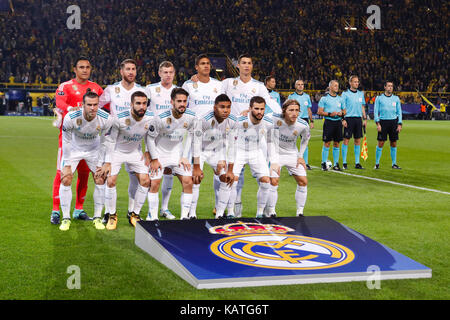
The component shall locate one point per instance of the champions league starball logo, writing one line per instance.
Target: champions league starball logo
(269, 246)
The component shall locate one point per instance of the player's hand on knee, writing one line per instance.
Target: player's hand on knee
(185, 163)
(301, 161)
(155, 166)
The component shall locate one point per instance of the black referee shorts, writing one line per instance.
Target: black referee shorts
(332, 130)
(388, 127)
(354, 128)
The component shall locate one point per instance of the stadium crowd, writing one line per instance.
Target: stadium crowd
(288, 38)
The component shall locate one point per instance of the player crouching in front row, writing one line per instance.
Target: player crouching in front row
(124, 146)
(282, 150)
(81, 141)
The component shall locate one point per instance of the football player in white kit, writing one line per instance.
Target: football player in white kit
(118, 97)
(166, 136)
(159, 96)
(81, 141)
(124, 142)
(240, 90)
(214, 143)
(287, 127)
(202, 93)
(251, 132)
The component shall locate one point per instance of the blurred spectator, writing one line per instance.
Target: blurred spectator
(288, 38)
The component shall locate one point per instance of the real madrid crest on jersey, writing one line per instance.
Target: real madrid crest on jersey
(279, 123)
(146, 126)
(98, 128)
(117, 89)
(195, 85)
(213, 123)
(79, 122)
(254, 90)
(215, 90)
(245, 125)
(185, 125)
(295, 133)
(169, 121)
(158, 90)
(235, 82)
(127, 121)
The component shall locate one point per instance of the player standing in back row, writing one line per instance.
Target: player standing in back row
(116, 98)
(69, 97)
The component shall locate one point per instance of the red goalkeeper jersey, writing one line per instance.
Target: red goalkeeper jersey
(70, 94)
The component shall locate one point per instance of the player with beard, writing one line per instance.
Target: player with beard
(124, 142)
(116, 99)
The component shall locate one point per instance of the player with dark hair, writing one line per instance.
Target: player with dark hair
(270, 82)
(69, 97)
(167, 134)
(214, 144)
(388, 117)
(251, 134)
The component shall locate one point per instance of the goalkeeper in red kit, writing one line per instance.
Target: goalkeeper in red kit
(69, 96)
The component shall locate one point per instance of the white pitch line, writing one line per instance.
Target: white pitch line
(391, 182)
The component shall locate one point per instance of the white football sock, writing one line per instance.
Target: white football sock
(99, 199)
(110, 199)
(272, 199)
(65, 198)
(216, 183)
(132, 187)
(139, 198)
(166, 190)
(195, 194)
(186, 200)
(222, 199)
(300, 198)
(153, 204)
(232, 199)
(261, 197)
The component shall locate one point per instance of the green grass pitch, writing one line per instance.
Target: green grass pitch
(35, 255)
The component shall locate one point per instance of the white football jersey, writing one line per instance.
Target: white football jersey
(118, 97)
(251, 137)
(80, 135)
(127, 134)
(168, 135)
(213, 137)
(159, 97)
(202, 95)
(282, 138)
(240, 94)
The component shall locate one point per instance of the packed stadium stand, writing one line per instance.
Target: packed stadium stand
(288, 39)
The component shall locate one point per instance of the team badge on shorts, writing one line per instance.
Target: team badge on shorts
(79, 122)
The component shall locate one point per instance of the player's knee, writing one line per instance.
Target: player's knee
(302, 182)
(144, 181)
(154, 185)
(111, 183)
(100, 181)
(66, 179)
(187, 184)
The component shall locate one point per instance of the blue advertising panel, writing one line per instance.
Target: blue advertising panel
(245, 252)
